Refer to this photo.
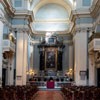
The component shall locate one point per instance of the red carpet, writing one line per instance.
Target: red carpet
(49, 95)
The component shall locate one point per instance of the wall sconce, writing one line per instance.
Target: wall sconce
(69, 72)
(30, 72)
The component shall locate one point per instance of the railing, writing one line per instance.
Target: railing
(93, 37)
(56, 84)
(94, 44)
(8, 45)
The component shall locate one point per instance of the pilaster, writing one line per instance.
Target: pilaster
(21, 57)
(80, 56)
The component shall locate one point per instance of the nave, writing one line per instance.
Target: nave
(29, 93)
(34, 93)
(49, 95)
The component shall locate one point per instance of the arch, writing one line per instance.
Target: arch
(51, 11)
(65, 4)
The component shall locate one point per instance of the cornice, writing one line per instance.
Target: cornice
(24, 14)
(21, 28)
(82, 28)
(79, 13)
(68, 42)
(95, 8)
(17, 13)
(8, 7)
(92, 11)
(57, 32)
(4, 20)
(97, 21)
(33, 42)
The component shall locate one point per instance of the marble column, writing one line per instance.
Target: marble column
(80, 57)
(1, 46)
(21, 57)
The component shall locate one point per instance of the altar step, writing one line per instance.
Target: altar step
(45, 88)
(49, 95)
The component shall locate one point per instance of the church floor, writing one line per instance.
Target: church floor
(49, 95)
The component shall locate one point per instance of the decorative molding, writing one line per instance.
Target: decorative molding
(59, 2)
(33, 42)
(5, 21)
(95, 8)
(21, 28)
(52, 21)
(79, 13)
(8, 7)
(24, 14)
(97, 21)
(81, 28)
(44, 32)
(70, 42)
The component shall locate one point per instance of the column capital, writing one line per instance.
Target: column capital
(21, 29)
(84, 27)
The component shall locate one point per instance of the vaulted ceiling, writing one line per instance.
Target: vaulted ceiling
(51, 15)
(36, 4)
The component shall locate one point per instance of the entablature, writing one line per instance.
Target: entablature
(21, 28)
(8, 7)
(79, 14)
(24, 14)
(95, 8)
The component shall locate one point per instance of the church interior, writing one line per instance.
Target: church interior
(50, 49)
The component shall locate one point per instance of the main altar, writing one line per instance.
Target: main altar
(51, 51)
(50, 73)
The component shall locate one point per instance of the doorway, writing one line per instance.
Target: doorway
(3, 77)
(98, 77)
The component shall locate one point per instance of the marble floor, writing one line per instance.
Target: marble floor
(49, 95)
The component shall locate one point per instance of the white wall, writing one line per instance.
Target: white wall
(1, 38)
